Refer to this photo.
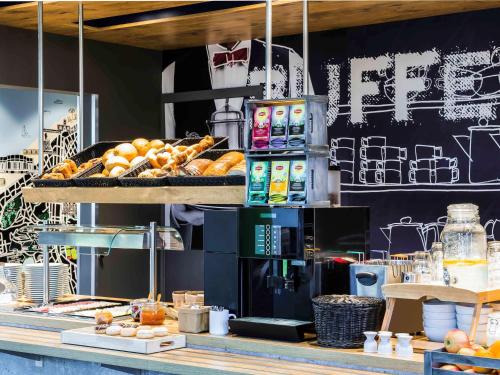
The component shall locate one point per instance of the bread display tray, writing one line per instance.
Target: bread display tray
(87, 337)
(83, 179)
(130, 178)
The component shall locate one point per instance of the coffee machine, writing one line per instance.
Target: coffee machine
(266, 264)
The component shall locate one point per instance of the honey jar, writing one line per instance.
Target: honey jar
(152, 313)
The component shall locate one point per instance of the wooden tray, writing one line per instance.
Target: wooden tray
(87, 337)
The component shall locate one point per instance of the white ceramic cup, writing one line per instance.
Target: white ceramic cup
(219, 322)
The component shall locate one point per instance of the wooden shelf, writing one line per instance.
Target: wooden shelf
(441, 292)
(138, 195)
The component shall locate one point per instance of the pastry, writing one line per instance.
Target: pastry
(128, 332)
(126, 150)
(103, 317)
(116, 171)
(105, 172)
(108, 154)
(100, 329)
(98, 175)
(72, 165)
(239, 169)
(144, 327)
(141, 145)
(163, 158)
(95, 161)
(153, 159)
(221, 166)
(64, 169)
(113, 330)
(84, 166)
(129, 325)
(117, 161)
(53, 176)
(156, 143)
(145, 333)
(137, 160)
(146, 174)
(197, 167)
(160, 331)
(181, 148)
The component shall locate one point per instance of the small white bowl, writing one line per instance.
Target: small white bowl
(436, 334)
(467, 319)
(436, 306)
(439, 316)
(450, 324)
(464, 309)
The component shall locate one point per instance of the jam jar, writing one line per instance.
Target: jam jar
(152, 313)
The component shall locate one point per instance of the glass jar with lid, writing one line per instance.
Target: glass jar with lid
(464, 248)
(494, 264)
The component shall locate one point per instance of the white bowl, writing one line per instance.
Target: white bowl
(466, 328)
(436, 334)
(467, 319)
(439, 316)
(449, 324)
(436, 306)
(464, 309)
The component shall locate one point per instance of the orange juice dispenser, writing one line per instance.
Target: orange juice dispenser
(465, 263)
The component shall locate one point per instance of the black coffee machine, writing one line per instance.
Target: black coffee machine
(266, 264)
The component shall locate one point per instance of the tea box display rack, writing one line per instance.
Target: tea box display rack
(286, 148)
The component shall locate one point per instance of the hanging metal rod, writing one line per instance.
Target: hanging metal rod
(269, 47)
(40, 88)
(80, 77)
(305, 47)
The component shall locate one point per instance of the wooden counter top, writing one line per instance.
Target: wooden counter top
(181, 361)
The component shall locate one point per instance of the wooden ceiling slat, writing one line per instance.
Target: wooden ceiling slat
(247, 21)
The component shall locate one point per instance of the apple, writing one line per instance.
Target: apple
(456, 340)
(450, 368)
(477, 347)
(470, 370)
(469, 352)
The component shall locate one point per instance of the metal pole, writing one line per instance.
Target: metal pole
(80, 76)
(152, 259)
(305, 46)
(40, 88)
(269, 47)
(46, 275)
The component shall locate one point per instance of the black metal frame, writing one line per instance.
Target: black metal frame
(232, 92)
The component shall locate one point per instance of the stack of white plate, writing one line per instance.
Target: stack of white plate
(439, 318)
(12, 272)
(464, 321)
(58, 276)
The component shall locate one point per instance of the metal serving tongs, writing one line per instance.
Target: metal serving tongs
(238, 121)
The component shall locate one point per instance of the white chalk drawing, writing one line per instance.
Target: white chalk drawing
(18, 171)
(492, 228)
(380, 163)
(420, 236)
(430, 167)
(398, 85)
(482, 148)
(342, 154)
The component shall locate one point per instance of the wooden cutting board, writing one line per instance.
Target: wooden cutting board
(87, 337)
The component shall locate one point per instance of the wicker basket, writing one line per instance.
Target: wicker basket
(340, 320)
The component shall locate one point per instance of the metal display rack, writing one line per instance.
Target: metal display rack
(150, 238)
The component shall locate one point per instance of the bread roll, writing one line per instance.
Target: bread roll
(108, 154)
(127, 150)
(72, 165)
(105, 172)
(222, 165)
(117, 161)
(53, 176)
(84, 166)
(163, 158)
(158, 173)
(137, 160)
(98, 175)
(116, 171)
(141, 145)
(146, 174)
(128, 332)
(153, 159)
(64, 169)
(156, 143)
(145, 334)
(113, 330)
(197, 167)
(103, 317)
(239, 169)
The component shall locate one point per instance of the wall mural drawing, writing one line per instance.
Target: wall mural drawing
(19, 166)
(412, 114)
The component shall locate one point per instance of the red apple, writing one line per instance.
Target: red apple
(450, 368)
(466, 351)
(456, 340)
